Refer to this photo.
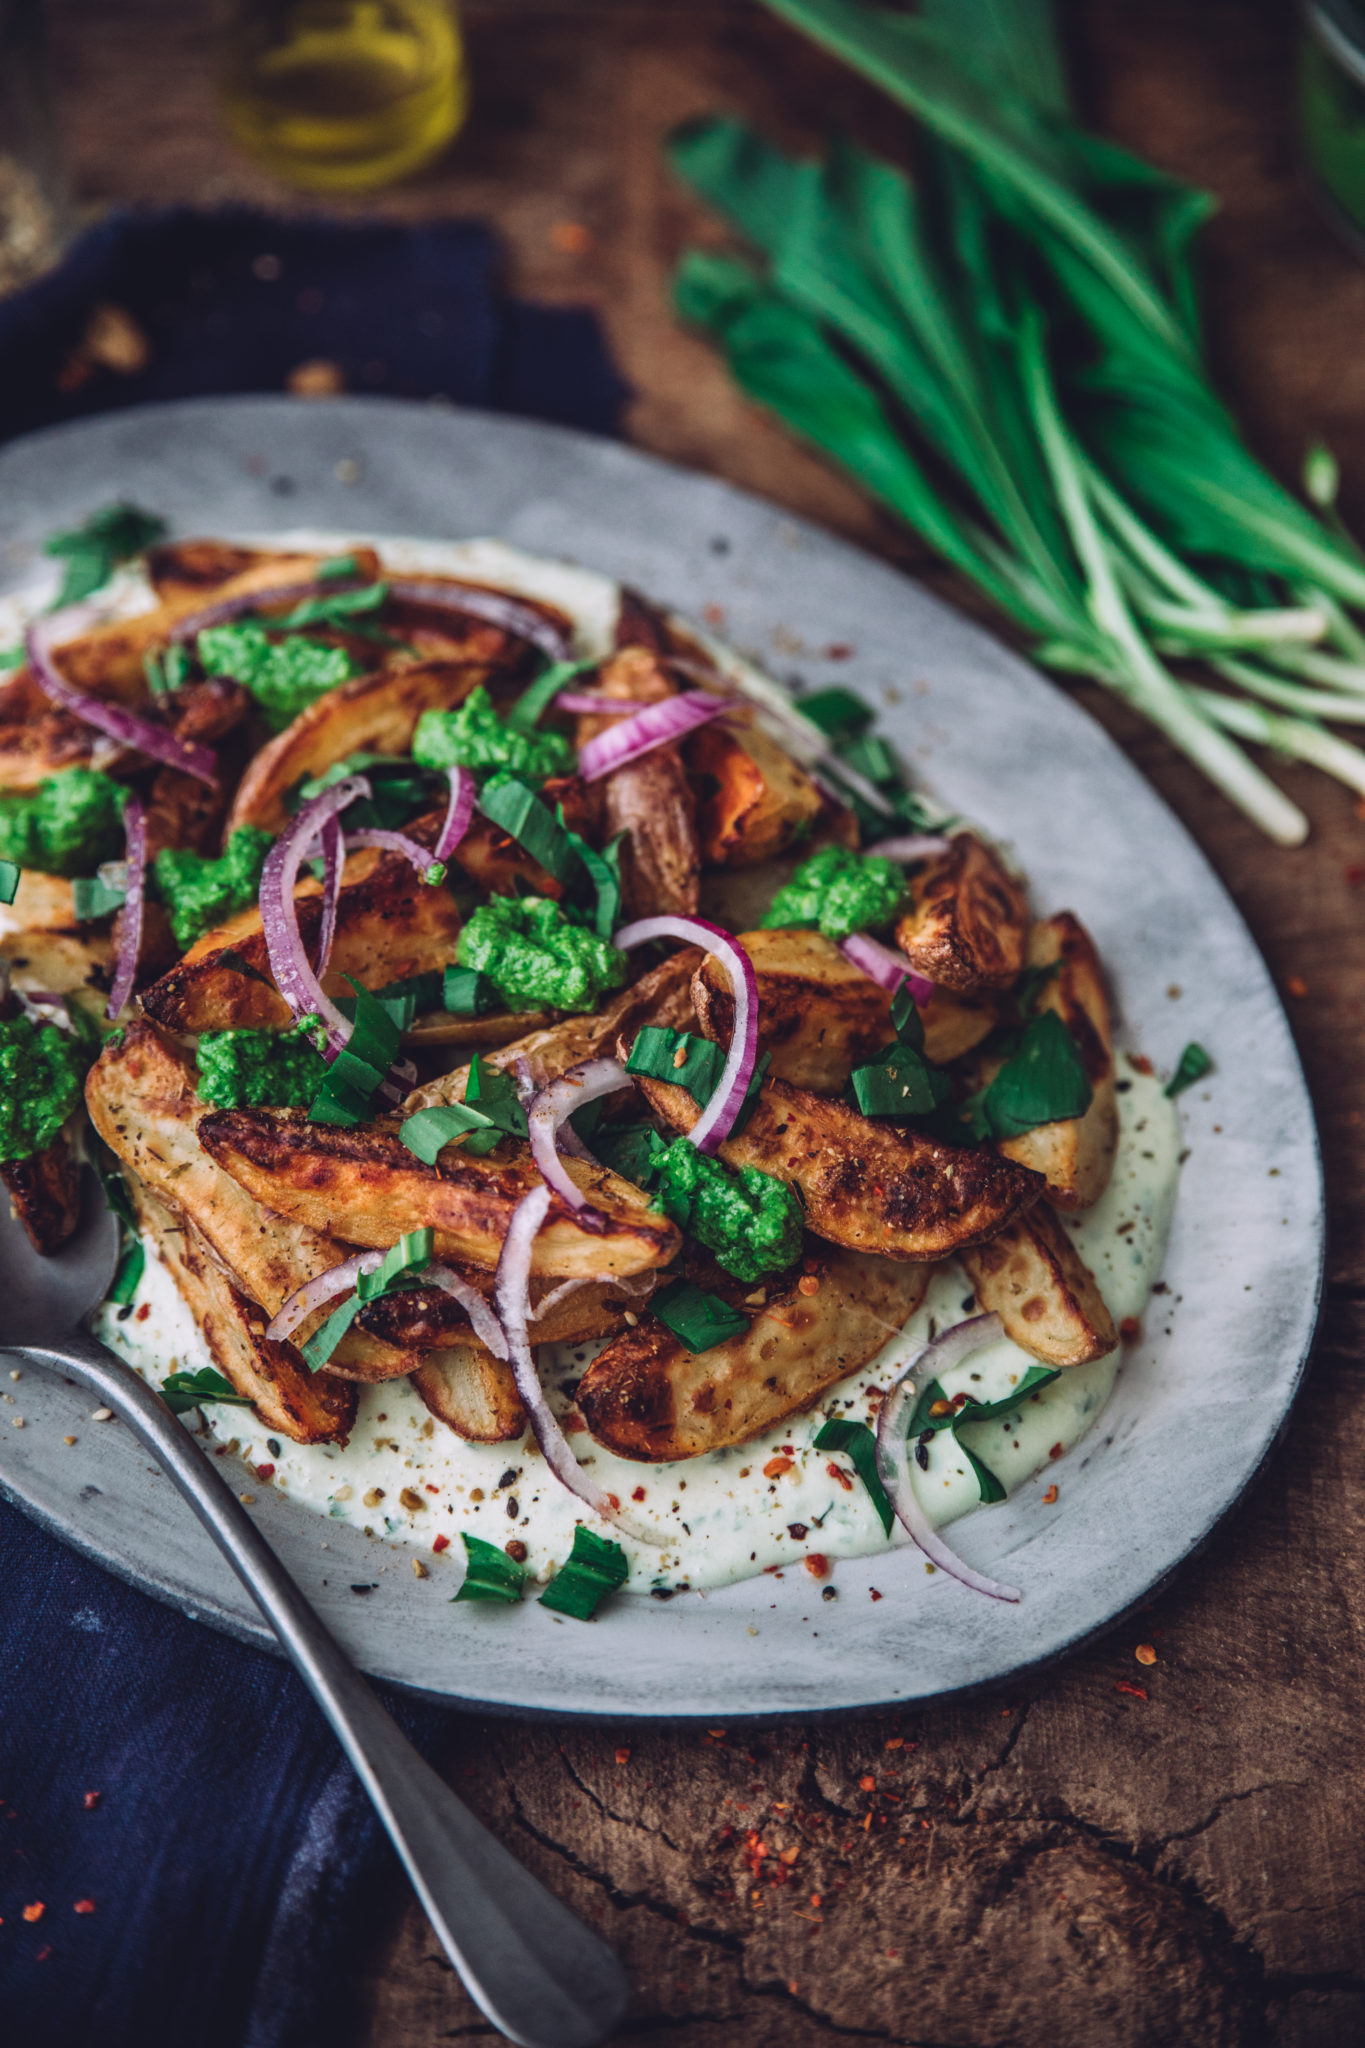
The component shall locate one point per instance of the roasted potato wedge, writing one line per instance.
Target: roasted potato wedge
(819, 1016)
(473, 1393)
(367, 1187)
(58, 961)
(1036, 1281)
(189, 574)
(1077, 1154)
(376, 714)
(647, 1396)
(45, 1193)
(866, 1184)
(757, 801)
(650, 801)
(390, 924)
(309, 1408)
(969, 923)
(427, 1318)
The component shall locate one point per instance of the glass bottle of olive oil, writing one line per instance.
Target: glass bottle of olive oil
(344, 95)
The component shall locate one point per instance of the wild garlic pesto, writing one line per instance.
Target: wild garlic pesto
(720, 1517)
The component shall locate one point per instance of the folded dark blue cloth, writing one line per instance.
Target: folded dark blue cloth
(185, 1856)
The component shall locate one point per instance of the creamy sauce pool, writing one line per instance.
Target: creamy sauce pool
(405, 1476)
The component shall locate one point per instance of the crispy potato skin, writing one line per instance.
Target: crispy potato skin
(650, 800)
(390, 924)
(308, 1408)
(868, 1186)
(472, 1393)
(1076, 1154)
(969, 923)
(376, 714)
(427, 1318)
(189, 574)
(648, 1397)
(757, 801)
(45, 1194)
(1033, 1277)
(365, 1185)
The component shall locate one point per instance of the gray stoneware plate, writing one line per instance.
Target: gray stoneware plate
(1198, 1403)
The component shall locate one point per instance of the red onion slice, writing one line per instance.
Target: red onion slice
(919, 846)
(134, 900)
(594, 704)
(321, 1288)
(512, 1294)
(893, 1452)
(428, 867)
(552, 1107)
(289, 963)
(656, 726)
(459, 811)
(716, 1121)
(485, 1324)
(158, 742)
(331, 893)
(495, 607)
(886, 968)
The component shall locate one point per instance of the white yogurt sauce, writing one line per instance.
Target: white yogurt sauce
(718, 1518)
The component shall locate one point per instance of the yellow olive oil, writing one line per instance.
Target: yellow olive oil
(344, 95)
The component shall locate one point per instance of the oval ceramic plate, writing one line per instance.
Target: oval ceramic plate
(1198, 1402)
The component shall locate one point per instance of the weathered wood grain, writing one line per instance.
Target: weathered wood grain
(1063, 1864)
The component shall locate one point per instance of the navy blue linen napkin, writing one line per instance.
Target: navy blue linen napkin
(173, 1803)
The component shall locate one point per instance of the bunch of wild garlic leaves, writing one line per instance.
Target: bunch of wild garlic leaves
(1007, 354)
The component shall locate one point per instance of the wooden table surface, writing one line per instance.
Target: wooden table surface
(1060, 1864)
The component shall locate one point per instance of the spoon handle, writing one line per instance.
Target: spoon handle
(527, 1962)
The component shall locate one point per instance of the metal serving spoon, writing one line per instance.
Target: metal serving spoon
(527, 1962)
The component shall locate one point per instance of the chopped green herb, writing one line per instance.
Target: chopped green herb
(750, 1220)
(408, 1256)
(595, 1567)
(1028, 989)
(839, 892)
(1042, 1082)
(42, 1075)
(628, 1150)
(10, 872)
(839, 713)
(261, 1069)
(955, 1415)
(166, 667)
(110, 1176)
(69, 824)
(334, 608)
(656, 1053)
(346, 1094)
(414, 996)
(604, 872)
(1192, 1066)
(494, 1093)
(901, 1084)
(398, 790)
(128, 1273)
(203, 890)
(859, 1446)
(490, 1574)
(92, 552)
(92, 899)
(336, 566)
(284, 677)
(534, 701)
(467, 993)
(473, 736)
(522, 815)
(536, 958)
(186, 1390)
(697, 1319)
(12, 657)
(428, 1131)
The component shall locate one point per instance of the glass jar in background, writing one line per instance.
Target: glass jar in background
(1331, 93)
(344, 95)
(35, 208)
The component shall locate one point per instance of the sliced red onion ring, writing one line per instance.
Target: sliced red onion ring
(893, 1452)
(485, 1324)
(634, 1286)
(656, 726)
(552, 1107)
(226, 609)
(886, 968)
(919, 846)
(289, 964)
(158, 742)
(459, 811)
(322, 1287)
(134, 900)
(428, 867)
(716, 1121)
(512, 1294)
(331, 893)
(594, 704)
(493, 606)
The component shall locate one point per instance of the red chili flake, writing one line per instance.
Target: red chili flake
(265, 1471)
(1130, 1329)
(714, 614)
(754, 1851)
(895, 1742)
(1296, 985)
(623, 1756)
(816, 1899)
(1056, 1450)
(429, 1487)
(834, 1472)
(90, 1801)
(1135, 1692)
(1355, 874)
(441, 1543)
(817, 1565)
(873, 1591)
(775, 1467)
(1139, 1063)
(840, 651)
(1049, 1496)
(638, 1494)
(84, 1906)
(35, 1911)
(790, 1855)
(142, 1313)
(867, 1784)
(44, 1952)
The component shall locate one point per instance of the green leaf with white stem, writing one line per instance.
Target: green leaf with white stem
(403, 1261)
(536, 699)
(1298, 739)
(1277, 690)
(427, 1132)
(183, 1391)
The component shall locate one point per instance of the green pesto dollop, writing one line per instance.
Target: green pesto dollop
(42, 1071)
(473, 736)
(284, 676)
(201, 890)
(749, 1220)
(262, 1069)
(67, 825)
(839, 893)
(535, 958)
